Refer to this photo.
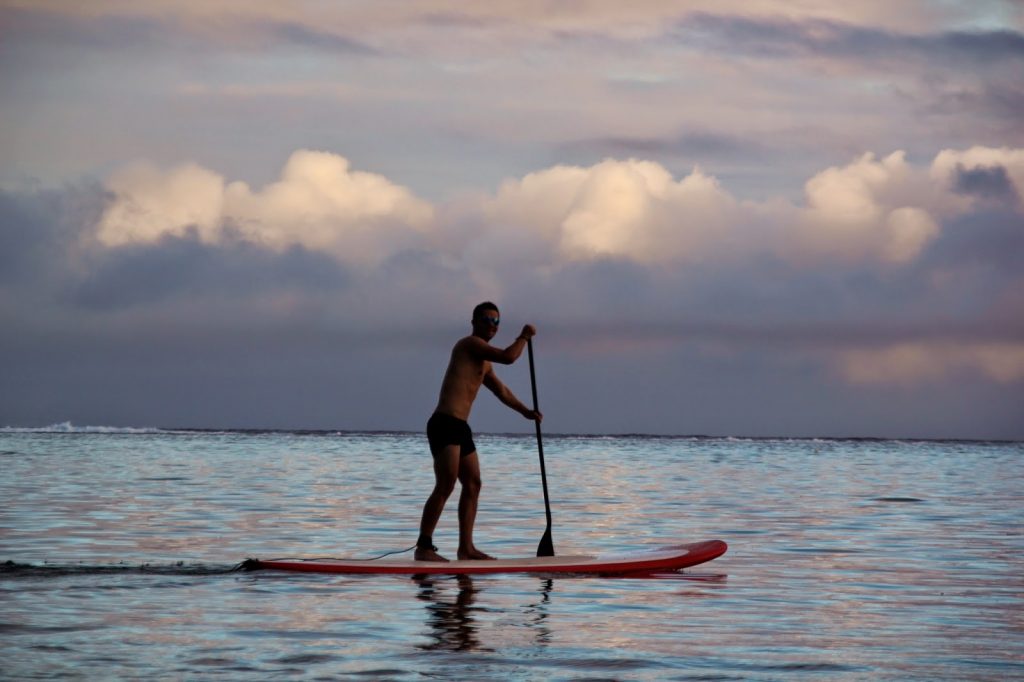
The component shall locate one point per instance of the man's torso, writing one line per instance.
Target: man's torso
(462, 380)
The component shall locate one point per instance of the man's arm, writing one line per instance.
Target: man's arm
(492, 382)
(503, 356)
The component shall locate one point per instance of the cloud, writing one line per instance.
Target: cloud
(179, 81)
(814, 37)
(593, 16)
(981, 173)
(869, 208)
(986, 182)
(319, 203)
(150, 204)
(178, 25)
(185, 269)
(693, 144)
(630, 209)
(294, 33)
(914, 363)
(40, 234)
(887, 270)
(882, 210)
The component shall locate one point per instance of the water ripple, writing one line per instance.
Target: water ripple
(848, 559)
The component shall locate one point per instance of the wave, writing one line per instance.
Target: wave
(68, 427)
(12, 569)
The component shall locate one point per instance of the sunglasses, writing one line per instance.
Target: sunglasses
(493, 321)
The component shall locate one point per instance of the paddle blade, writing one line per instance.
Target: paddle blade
(546, 546)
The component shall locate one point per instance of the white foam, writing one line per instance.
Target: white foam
(68, 427)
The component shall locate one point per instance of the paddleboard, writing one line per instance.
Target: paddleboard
(671, 558)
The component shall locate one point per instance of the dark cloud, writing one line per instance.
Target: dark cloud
(183, 266)
(295, 34)
(27, 232)
(767, 303)
(991, 182)
(102, 33)
(39, 231)
(29, 28)
(677, 388)
(691, 144)
(987, 244)
(995, 106)
(772, 38)
(591, 294)
(1007, 101)
(983, 46)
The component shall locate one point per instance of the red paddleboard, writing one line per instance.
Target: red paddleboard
(669, 558)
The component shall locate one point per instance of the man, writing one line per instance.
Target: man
(451, 439)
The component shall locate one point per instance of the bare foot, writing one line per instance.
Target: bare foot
(428, 555)
(474, 554)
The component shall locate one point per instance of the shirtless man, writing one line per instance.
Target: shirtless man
(451, 440)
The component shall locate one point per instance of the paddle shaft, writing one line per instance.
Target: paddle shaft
(546, 546)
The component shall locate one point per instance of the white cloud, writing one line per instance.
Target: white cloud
(150, 203)
(907, 230)
(627, 209)
(322, 204)
(636, 209)
(319, 203)
(871, 210)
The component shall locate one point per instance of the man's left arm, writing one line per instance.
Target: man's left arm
(505, 395)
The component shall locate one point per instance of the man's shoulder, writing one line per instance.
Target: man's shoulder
(470, 342)
(471, 349)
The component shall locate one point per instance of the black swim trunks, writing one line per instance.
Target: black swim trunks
(444, 430)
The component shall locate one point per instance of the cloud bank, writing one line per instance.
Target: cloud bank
(872, 209)
(576, 231)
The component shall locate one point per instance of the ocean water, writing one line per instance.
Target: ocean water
(848, 560)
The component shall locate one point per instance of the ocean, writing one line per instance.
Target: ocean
(848, 559)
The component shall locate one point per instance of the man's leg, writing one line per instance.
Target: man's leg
(469, 477)
(446, 472)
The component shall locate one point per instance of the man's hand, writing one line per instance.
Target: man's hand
(528, 332)
(533, 415)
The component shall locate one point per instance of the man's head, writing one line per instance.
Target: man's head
(485, 320)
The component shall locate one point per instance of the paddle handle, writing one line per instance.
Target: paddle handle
(546, 547)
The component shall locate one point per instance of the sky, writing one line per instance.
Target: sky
(727, 218)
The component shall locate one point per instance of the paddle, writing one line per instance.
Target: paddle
(546, 546)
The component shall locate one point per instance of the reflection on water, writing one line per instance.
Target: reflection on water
(847, 560)
(537, 613)
(453, 613)
(452, 623)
